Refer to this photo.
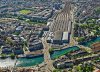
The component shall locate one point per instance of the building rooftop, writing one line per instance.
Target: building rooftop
(58, 35)
(96, 46)
(65, 36)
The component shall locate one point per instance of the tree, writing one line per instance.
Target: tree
(9, 41)
(12, 56)
(79, 68)
(57, 70)
(3, 56)
(97, 10)
(81, 39)
(76, 26)
(51, 50)
(85, 67)
(96, 27)
(91, 25)
(83, 26)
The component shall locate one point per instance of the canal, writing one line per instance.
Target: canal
(89, 43)
(24, 62)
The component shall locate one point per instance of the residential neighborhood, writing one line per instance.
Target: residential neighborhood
(49, 35)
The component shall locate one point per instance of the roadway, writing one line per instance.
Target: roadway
(49, 63)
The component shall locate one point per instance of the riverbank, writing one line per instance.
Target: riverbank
(58, 53)
(8, 62)
(89, 43)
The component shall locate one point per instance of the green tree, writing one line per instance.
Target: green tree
(3, 56)
(85, 68)
(81, 39)
(97, 10)
(12, 56)
(83, 26)
(57, 70)
(51, 50)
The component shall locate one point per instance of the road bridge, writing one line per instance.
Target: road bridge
(49, 65)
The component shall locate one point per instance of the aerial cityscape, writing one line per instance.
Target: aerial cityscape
(49, 35)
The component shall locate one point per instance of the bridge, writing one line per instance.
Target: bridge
(49, 63)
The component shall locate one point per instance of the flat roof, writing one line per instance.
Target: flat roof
(58, 35)
(65, 36)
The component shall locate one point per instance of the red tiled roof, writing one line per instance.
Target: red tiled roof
(96, 46)
(98, 71)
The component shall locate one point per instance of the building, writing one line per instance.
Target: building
(96, 47)
(58, 37)
(65, 37)
(62, 21)
(49, 40)
(61, 25)
(46, 29)
(6, 50)
(35, 47)
(57, 6)
(18, 51)
(19, 28)
(69, 64)
(1, 42)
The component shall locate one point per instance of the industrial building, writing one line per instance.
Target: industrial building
(58, 37)
(65, 37)
(61, 26)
